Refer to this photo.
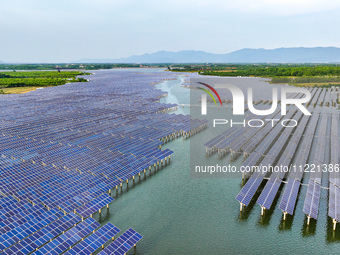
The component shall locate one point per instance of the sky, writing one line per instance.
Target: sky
(40, 31)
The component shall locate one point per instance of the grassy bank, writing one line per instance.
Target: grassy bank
(312, 75)
(309, 81)
(22, 82)
(18, 90)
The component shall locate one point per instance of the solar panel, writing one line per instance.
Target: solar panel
(7, 212)
(21, 231)
(249, 189)
(94, 205)
(289, 196)
(311, 205)
(333, 202)
(123, 243)
(67, 155)
(268, 193)
(69, 238)
(334, 177)
(44, 235)
(94, 241)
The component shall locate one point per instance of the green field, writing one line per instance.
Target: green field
(324, 75)
(30, 80)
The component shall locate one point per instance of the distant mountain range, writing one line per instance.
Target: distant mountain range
(280, 55)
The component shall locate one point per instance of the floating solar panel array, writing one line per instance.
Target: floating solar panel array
(274, 145)
(289, 197)
(311, 204)
(266, 153)
(294, 148)
(63, 148)
(237, 140)
(281, 153)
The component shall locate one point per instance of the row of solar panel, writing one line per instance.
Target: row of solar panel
(57, 149)
(94, 205)
(123, 243)
(272, 186)
(290, 195)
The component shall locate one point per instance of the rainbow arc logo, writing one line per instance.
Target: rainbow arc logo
(209, 93)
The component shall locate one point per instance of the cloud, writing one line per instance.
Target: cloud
(274, 7)
(66, 30)
(289, 7)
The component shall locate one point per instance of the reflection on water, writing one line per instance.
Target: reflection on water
(332, 236)
(287, 223)
(308, 230)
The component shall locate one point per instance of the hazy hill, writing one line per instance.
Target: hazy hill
(280, 55)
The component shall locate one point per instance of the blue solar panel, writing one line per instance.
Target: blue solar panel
(249, 189)
(95, 241)
(311, 205)
(94, 205)
(21, 231)
(268, 193)
(8, 212)
(333, 202)
(44, 235)
(63, 147)
(7, 201)
(123, 243)
(69, 238)
(289, 196)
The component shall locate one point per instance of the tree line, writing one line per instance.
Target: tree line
(39, 78)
